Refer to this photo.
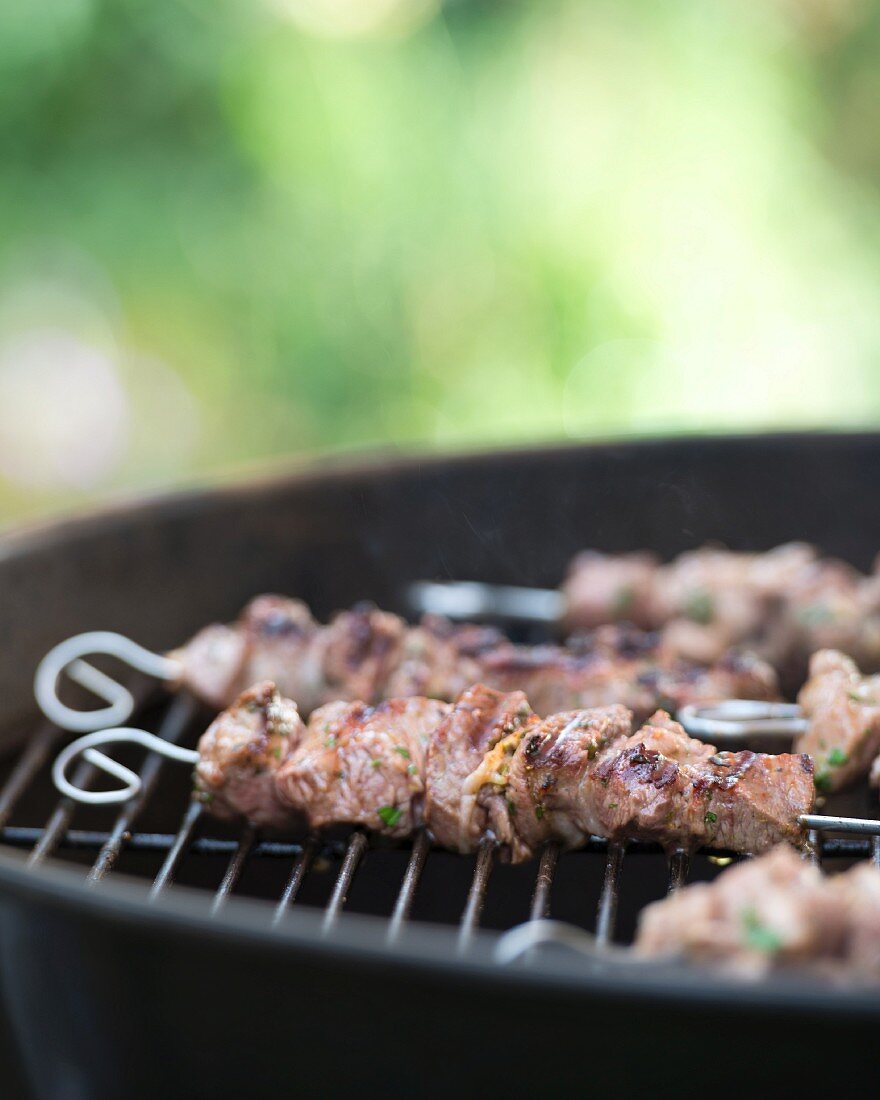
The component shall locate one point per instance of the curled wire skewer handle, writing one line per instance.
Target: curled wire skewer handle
(88, 747)
(476, 600)
(68, 657)
(742, 718)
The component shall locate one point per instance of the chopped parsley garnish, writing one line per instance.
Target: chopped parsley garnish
(854, 695)
(277, 752)
(816, 614)
(329, 742)
(205, 797)
(822, 780)
(624, 598)
(710, 818)
(837, 757)
(413, 770)
(510, 806)
(390, 815)
(375, 763)
(539, 811)
(758, 935)
(612, 806)
(700, 607)
(401, 751)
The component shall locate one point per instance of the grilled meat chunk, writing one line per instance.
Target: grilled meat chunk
(843, 708)
(480, 718)
(362, 765)
(240, 753)
(778, 910)
(621, 664)
(784, 604)
(656, 784)
(605, 588)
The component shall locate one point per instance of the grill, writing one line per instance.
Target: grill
(150, 901)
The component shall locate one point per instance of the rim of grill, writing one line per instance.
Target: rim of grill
(58, 838)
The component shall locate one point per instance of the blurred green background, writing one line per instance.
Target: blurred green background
(235, 231)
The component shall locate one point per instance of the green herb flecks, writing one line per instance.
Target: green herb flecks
(837, 757)
(390, 815)
(822, 780)
(413, 770)
(539, 811)
(758, 935)
(816, 614)
(624, 598)
(710, 818)
(329, 742)
(700, 608)
(401, 751)
(375, 764)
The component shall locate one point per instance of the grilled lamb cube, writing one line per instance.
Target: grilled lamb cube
(843, 708)
(479, 719)
(546, 776)
(605, 588)
(241, 752)
(777, 910)
(362, 765)
(774, 910)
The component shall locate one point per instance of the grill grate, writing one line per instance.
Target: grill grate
(337, 862)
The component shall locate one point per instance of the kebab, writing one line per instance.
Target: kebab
(775, 911)
(784, 604)
(487, 765)
(369, 654)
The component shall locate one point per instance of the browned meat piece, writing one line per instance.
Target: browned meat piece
(362, 765)
(242, 750)
(440, 659)
(273, 639)
(622, 665)
(545, 781)
(778, 910)
(844, 712)
(604, 588)
(480, 718)
(783, 604)
(657, 784)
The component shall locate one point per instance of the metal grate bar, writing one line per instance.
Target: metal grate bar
(174, 725)
(470, 918)
(357, 845)
(540, 909)
(301, 866)
(679, 865)
(29, 763)
(607, 911)
(235, 868)
(177, 850)
(408, 887)
(57, 824)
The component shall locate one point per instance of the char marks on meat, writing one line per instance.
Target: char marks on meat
(362, 765)
(240, 753)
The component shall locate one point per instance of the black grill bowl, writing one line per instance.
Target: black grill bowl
(105, 994)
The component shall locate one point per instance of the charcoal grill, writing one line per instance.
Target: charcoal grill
(149, 950)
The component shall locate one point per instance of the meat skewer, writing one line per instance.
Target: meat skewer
(369, 654)
(488, 765)
(783, 604)
(774, 911)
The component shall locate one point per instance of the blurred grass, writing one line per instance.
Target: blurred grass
(488, 222)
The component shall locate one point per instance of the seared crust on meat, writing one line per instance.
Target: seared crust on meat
(362, 765)
(480, 718)
(844, 712)
(240, 753)
(775, 911)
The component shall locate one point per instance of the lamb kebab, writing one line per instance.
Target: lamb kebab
(488, 764)
(372, 655)
(775, 911)
(783, 604)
